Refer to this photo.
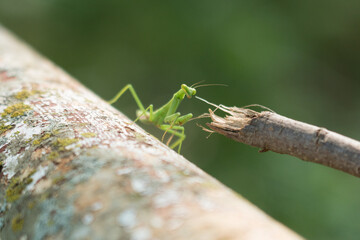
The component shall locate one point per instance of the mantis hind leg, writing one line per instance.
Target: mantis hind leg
(176, 119)
(140, 113)
(133, 93)
(177, 131)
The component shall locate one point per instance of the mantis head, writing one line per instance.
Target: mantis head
(189, 91)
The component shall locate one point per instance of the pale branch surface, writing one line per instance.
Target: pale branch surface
(273, 132)
(73, 167)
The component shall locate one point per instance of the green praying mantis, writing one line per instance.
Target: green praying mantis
(166, 117)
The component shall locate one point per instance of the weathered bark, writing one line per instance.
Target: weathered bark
(273, 132)
(73, 167)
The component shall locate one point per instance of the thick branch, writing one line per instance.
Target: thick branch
(73, 167)
(273, 132)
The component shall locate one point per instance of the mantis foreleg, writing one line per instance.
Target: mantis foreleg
(183, 119)
(175, 119)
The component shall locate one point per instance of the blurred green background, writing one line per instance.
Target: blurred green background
(300, 58)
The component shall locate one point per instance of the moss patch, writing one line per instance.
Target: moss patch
(55, 132)
(58, 179)
(23, 94)
(17, 223)
(31, 204)
(61, 143)
(15, 188)
(53, 155)
(38, 141)
(88, 134)
(4, 127)
(15, 110)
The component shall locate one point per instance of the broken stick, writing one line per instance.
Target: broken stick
(272, 132)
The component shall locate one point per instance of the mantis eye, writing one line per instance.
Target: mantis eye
(189, 91)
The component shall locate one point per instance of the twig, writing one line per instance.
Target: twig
(273, 132)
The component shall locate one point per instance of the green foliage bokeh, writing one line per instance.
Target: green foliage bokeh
(300, 58)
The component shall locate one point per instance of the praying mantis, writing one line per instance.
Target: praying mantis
(165, 118)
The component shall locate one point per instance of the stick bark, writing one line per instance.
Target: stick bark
(272, 132)
(73, 167)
